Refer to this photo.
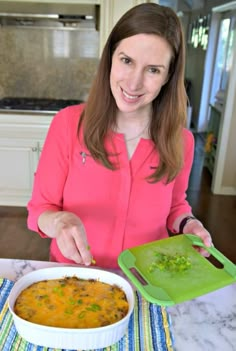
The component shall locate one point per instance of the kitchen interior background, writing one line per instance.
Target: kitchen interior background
(49, 61)
(57, 62)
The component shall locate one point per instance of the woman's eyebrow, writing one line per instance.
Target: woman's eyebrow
(157, 66)
(149, 65)
(123, 53)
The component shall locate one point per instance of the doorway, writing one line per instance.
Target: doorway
(219, 89)
(218, 64)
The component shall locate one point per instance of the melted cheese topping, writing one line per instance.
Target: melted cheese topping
(72, 303)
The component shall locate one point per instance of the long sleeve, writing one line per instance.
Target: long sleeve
(53, 166)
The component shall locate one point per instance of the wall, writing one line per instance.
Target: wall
(224, 176)
(229, 174)
(51, 63)
(195, 59)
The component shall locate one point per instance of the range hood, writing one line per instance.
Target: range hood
(48, 15)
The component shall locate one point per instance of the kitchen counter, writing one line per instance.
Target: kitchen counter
(207, 323)
(27, 112)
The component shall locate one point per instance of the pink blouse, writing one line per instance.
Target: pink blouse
(119, 208)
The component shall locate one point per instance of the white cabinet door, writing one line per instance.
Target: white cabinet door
(110, 13)
(21, 139)
(18, 160)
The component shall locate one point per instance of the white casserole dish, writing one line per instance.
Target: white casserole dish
(65, 338)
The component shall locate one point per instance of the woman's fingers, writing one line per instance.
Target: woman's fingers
(195, 227)
(71, 238)
(67, 246)
(82, 245)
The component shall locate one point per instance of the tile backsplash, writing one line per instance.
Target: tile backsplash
(47, 62)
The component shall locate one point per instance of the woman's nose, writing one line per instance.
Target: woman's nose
(135, 81)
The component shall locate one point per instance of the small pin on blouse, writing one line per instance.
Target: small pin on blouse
(83, 154)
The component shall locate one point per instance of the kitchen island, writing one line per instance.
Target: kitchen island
(207, 323)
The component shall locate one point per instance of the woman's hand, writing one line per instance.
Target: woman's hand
(194, 226)
(70, 235)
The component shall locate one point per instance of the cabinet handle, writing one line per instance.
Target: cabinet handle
(34, 149)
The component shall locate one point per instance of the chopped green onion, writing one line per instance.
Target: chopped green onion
(94, 307)
(81, 314)
(68, 311)
(58, 291)
(71, 301)
(171, 263)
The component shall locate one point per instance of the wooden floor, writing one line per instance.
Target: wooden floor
(217, 212)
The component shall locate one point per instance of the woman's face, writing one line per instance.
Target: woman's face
(140, 66)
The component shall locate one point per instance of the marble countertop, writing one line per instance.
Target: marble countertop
(207, 323)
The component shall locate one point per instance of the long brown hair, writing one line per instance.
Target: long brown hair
(169, 107)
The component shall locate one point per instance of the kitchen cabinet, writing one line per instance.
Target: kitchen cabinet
(21, 141)
(110, 12)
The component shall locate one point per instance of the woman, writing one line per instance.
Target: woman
(113, 173)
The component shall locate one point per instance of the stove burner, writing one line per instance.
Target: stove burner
(36, 104)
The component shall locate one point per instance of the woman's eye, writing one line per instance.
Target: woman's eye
(154, 70)
(125, 60)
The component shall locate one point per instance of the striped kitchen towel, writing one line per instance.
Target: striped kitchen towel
(149, 328)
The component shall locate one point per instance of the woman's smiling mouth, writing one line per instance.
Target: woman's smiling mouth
(128, 96)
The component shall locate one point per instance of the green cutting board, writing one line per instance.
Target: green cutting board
(168, 288)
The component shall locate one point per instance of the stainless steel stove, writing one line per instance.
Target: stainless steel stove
(35, 104)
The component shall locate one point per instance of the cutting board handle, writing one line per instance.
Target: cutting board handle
(228, 266)
(148, 290)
